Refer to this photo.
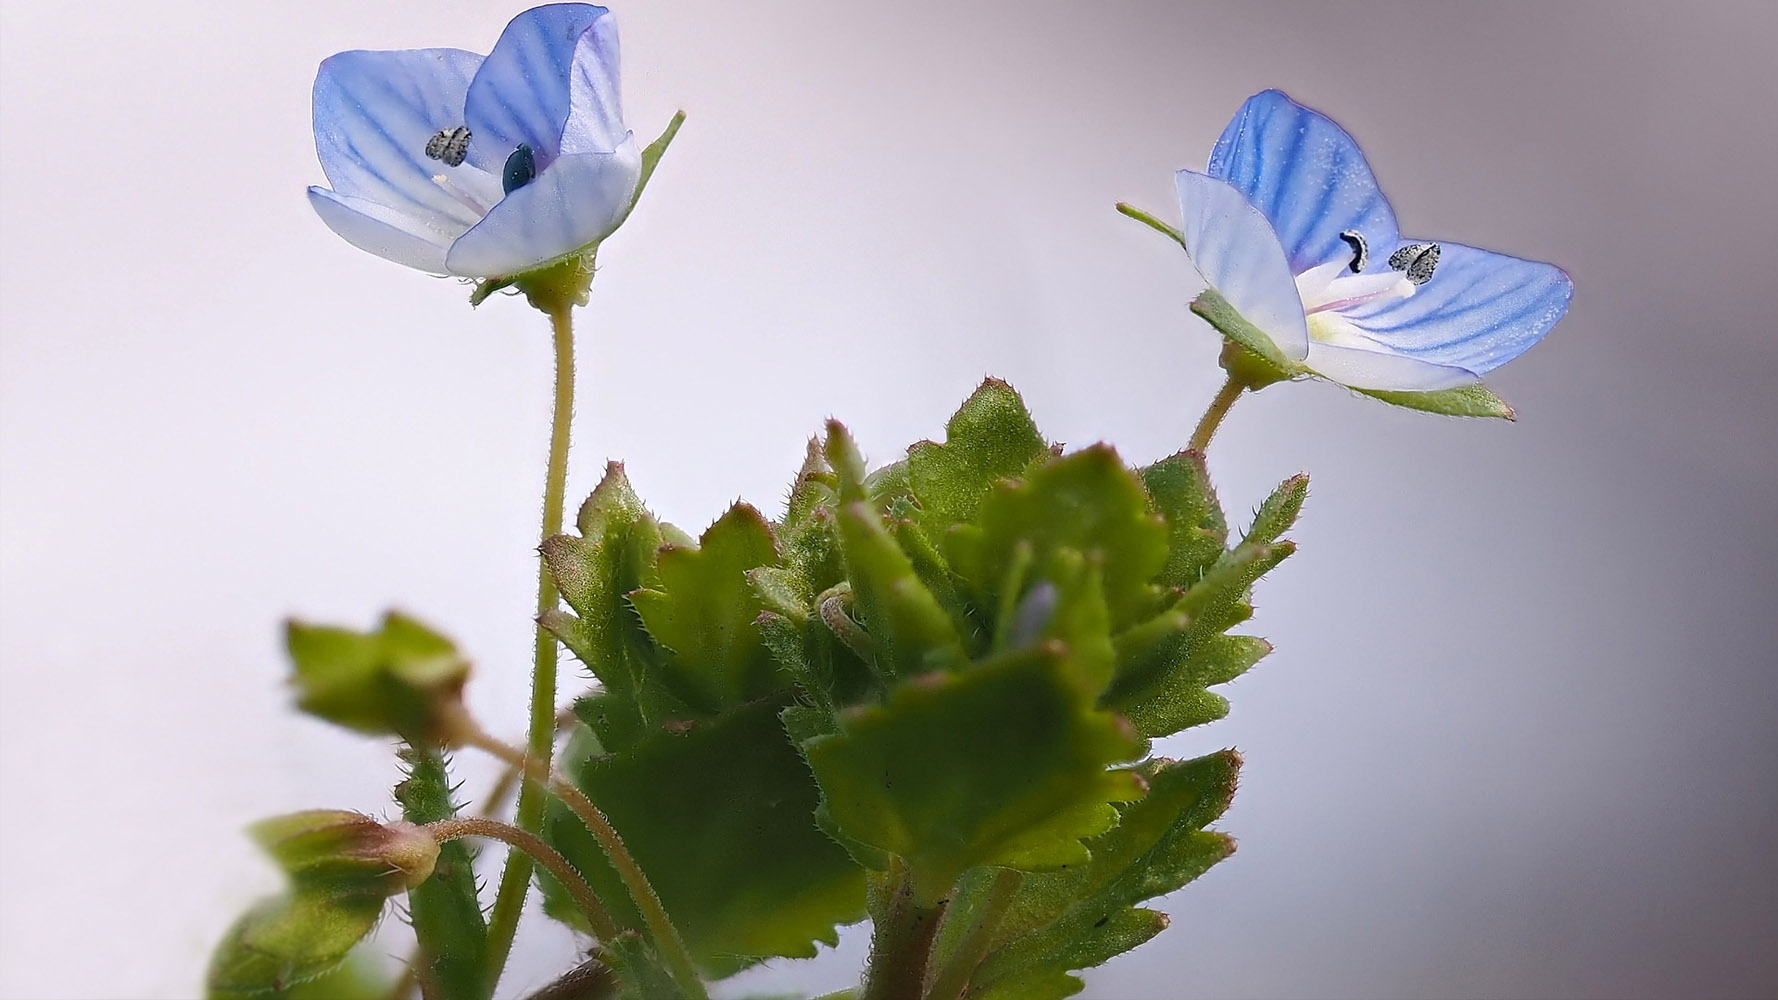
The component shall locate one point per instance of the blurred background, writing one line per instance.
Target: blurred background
(1520, 737)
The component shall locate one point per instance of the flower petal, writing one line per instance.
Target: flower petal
(1366, 369)
(381, 230)
(1479, 311)
(595, 95)
(523, 93)
(577, 200)
(1307, 175)
(374, 112)
(1237, 254)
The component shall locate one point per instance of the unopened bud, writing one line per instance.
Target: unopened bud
(347, 852)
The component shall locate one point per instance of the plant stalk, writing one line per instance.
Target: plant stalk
(953, 977)
(1212, 418)
(901, 942)
(530, 844)
(515, 878)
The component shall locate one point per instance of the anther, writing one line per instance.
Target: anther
(1361, 251)
(1417, 259)
(449, 146)
(521, 169)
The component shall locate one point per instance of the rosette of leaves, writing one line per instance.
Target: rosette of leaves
(913, 685)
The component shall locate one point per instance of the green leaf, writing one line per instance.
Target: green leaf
(1464, 401)
(1088, 502)
(1279, 511)
(614, 555)
(1082, 917)
(909, 632)
(289, 939)
(703, 612)
(1004, 763)
(991, 437)
(445, 910)
(1121, 931)
(388, 682)
(641, 974)
(1196, 529)
(720, 816)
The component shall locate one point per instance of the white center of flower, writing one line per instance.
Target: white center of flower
(1327, 290)
(463, 195)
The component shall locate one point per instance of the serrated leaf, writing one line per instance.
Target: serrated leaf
(1006, 760)
(1087, 502)
(1464, 401)
(614, 555)
(991, 437)
(1074, 919)
(1121, 931)
(703, 611)
(720, 817)
(1196, 529)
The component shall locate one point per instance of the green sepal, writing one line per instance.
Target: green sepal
(1278, 512)
(1088, 502)
(1475, 400)
(703, 612)
(347, 853)
(445, 910)
(1260, 362)
(991, 437)
(1004, 763)
(720, 816)
(1078, 918)
(1196, 528)
(393, 681)
(289, 939)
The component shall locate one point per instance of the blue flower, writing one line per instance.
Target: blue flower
(453, 163)
(1306, 266)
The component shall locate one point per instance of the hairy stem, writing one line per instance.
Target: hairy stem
(1212, 418)
(530, 844)
(515, 878)
(953, 978)
(446, 913)
(666, 937)
(901, 942)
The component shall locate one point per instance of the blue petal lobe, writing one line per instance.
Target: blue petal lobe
(376, 228)
(1479, 311)
(523, 93)
(577, 200)
(374, 112)
(1382, 370)
(1307, 175)
(1237, 254)
(595, 116)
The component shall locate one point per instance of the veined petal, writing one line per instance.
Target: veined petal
(577, 200)
(1366, 369)
(1237, 254)
(1480, 310)
(595, 117)
(379, 229)
(374, 112)
(522, 93)
(1308, 177)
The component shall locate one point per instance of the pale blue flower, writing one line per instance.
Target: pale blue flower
(453, 163)
(1288, 226)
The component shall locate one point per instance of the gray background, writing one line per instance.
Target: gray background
(1520, 732)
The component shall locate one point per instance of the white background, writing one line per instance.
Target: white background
(1519, 734)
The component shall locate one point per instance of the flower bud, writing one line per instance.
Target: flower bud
(403, 679)
(347, 852)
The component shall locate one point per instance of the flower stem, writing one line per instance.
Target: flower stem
(667, 942)
(901, 943)
(530, 844)
(1212, 418)
(515, 878)
(953, 979)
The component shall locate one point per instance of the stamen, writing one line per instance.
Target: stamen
(1361, 251)
(463, 197)
(449, 146)
(521, 169)
(1419, 260)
